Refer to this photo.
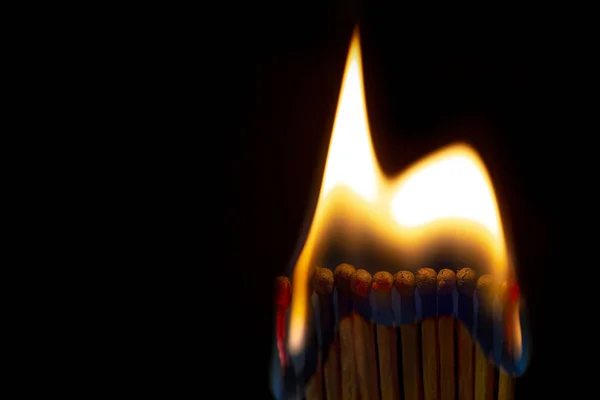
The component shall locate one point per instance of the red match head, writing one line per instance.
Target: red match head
(283, 291)
(382, 282)
(360, 282)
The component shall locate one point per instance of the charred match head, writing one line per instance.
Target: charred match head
(361, 282)
(283, 291)
(323, 280)
(342, 276)
(446, 281)
(426, 280)
(466, 280)
(404, 281)
(382, 282)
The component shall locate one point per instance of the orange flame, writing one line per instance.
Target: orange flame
(447, 198)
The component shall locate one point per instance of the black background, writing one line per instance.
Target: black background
(492, 78)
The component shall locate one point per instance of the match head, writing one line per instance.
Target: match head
(486, 287)
(382, 282)
(361, 282)
(323, 280)
(426, 280)
(283, 291)
(342, 276)
(404, 282)
(446, 281)
(466, 280)
(509, 291)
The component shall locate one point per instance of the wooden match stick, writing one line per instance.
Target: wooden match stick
(364, 342)
(329, 346)
(506, 386)
(506, 382)
(342, 276)
(484, 369)
(386, 337)
(313, 368)
(404, 282)
(466, 280)
(427, 283)
(446, 282)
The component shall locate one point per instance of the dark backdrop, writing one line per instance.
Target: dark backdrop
(491, 80)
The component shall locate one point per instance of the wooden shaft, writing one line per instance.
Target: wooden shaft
(429, 349)
(388, 362)
(446, 342)
(330, 350)
(364, 347)
(411, 365)
(484, 376)
(506, 386)
(331, 372)
(347, 357)
(484, 369)
(466, 371)
(314, 386)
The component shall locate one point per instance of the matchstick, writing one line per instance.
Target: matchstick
(404, 282)
(506, 386)
(329, 345)
(484, 369)
(466, 280)
(364, 343)
(342, 276)
(506, 382)
(426, 284)
(386, 337)
(313, 369)
(446, 282)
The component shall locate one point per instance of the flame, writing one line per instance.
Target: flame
(447, 199)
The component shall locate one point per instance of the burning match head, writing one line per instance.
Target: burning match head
(466, 280)
(486, 287)
(323, 280)
(446, 281)
(426, 280)
(283, 291)
(382, 282)
(361, 282)
(343, 274)
(404, 281)
(509, 291)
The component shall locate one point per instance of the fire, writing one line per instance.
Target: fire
(444, 205)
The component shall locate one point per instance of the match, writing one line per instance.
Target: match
(342, 277)
(427, 284)
(404, 282)
(313, 364)
(329, 349)
(466, 280)
(446, 283)
(506, 384)
(359, 356)
(364, 344)
(484, 369)
(382, 285)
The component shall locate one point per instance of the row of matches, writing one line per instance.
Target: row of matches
(435, 359)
